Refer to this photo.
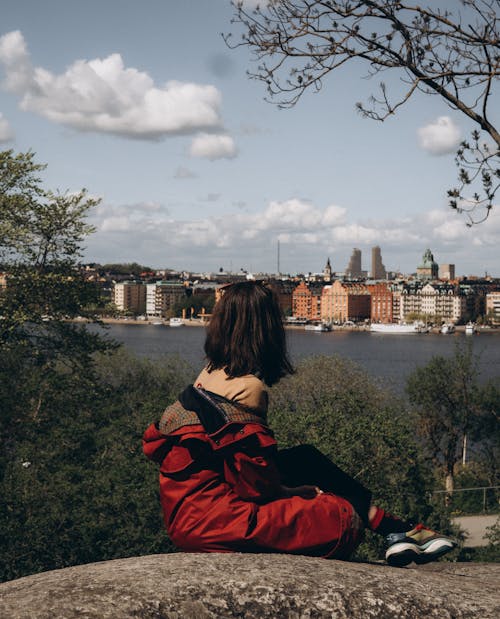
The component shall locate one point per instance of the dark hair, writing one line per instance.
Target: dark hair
(246, 334)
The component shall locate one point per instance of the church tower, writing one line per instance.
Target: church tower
(327, 271)
(428, 269)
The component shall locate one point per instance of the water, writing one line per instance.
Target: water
(390, 358)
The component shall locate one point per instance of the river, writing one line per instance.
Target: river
(390, 358)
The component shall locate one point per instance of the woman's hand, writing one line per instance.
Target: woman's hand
(306, 492)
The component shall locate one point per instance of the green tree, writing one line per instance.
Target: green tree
(436, 50)
(195, 303)
(452, 408)
(41, 236)
(487, 434)
(129, 268)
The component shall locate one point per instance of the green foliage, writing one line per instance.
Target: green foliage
(367, 431)
(129, 268)
(195, 303)
(451, 404)
(41, 236)
(38, 227)
(76, 487)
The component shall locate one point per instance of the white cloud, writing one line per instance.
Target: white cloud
(439, 137)
(116, 224)
(105, 96)
(308, 234)
(6, 133)
(210, 146)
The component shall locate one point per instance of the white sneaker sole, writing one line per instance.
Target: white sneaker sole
(403, 553)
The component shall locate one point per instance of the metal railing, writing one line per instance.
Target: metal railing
(489, 503)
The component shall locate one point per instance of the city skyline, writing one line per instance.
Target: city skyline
(376, 270)
(146, 107)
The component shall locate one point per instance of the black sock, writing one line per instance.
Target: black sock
(385, 523)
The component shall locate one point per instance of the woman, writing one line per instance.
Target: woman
(225, 487)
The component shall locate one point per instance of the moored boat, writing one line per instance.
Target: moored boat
(398, 329)
(447, 328)
(470, 328)
(175, 322)
(320, 328)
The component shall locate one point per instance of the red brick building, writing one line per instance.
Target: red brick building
(306, 301)
(381, 302)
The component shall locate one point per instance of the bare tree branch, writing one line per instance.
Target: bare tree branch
(452, 54)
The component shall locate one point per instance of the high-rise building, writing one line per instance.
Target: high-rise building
(354, 267)
(378, 269)
(447, 271)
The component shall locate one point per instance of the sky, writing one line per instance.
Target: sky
(145, 106)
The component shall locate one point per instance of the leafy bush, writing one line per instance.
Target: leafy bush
(76, 487)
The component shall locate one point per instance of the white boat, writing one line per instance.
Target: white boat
(292, 320)
(448, 328)
(175, 322)
(401, 329)
(470, 328)
(157, 323)
(321, 328)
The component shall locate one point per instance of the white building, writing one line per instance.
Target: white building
(493, 305)
(433, 300)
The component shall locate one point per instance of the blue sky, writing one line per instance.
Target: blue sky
(145, 106)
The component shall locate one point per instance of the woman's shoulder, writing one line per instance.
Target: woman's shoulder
(248, 390)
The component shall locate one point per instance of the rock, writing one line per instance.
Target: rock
(202, 586)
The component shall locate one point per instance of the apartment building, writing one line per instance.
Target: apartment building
(493, 306)
(433, 300)
(445, 301)
(381, 302)
(130, 296)
(163, 296)
(343, 301)
(306, 301)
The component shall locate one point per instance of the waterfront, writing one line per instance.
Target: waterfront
(390, 358)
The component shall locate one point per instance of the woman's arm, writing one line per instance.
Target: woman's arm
(251, 470)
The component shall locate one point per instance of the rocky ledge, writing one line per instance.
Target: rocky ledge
(199, 586)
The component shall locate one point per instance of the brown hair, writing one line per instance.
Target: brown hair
(246, 334)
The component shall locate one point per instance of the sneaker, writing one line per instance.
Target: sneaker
(420, 545)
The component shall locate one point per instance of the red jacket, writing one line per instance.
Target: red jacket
(221, 493)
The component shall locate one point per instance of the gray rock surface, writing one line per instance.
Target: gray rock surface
(202, 586)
